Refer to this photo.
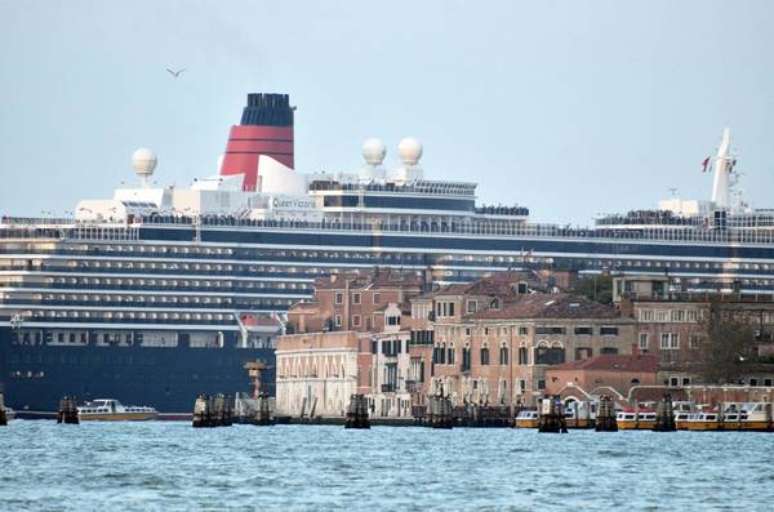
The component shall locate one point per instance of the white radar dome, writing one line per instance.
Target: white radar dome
(410, 151)
(374, 151)
(144, 162)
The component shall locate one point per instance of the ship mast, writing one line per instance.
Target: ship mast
(720, 186)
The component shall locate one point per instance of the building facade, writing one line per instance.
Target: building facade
(499, 355)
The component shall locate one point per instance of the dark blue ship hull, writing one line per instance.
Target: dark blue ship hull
(35, 377)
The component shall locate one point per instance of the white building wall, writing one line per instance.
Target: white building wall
(328, 376)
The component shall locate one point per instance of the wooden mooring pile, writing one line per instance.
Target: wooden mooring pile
(665, 415)
(3, 415)
(551, 416)
(440, 412)
(213, 411)
(68, 411)
(606, 421)
(357, 412)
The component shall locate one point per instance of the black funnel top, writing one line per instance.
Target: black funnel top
(267, 110)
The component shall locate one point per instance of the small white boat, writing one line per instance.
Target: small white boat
(527, 419)
(109, 409)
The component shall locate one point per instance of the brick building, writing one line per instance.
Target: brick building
(498, 355)
(672, 325)
(353, 301)
(363, 318)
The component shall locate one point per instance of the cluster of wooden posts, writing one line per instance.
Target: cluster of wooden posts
(551, 416)
(223, 411)
(213, 411)
(3, 414)
(68, 411)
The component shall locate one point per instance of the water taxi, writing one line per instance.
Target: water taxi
(705, 420)
(580, 414)
(109, 409)
(755, 416)
(527, 419)
(636, 420)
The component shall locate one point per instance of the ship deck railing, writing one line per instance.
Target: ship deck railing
(434, 188)
(488, 228)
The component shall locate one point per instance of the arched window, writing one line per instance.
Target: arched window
(450, 354)
(484, 355)
(439, 354)
(503, 354)
(466, 359)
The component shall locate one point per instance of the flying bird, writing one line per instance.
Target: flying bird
(174, 73)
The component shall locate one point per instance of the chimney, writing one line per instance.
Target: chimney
(266, 128)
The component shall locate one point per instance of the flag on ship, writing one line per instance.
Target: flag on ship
(705, 164)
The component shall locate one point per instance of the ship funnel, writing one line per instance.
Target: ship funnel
(266, 128)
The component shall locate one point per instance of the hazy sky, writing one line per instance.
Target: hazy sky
(570, 108)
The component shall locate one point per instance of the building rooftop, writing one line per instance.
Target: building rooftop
(546, 305)
(502, 284)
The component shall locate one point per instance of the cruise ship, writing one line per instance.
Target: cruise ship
(161, 293)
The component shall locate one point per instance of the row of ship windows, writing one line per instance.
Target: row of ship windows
(38, 337)
(75, 265)
(141, 249)
(156, 249)
(140, 299)
(687, 265)
(112, 359)
(95, 281)
(145, 300)
(40, 374)
(128, 315)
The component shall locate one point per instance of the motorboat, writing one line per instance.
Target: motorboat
(110, 409)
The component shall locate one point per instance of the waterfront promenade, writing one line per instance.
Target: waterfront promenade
(170, 466)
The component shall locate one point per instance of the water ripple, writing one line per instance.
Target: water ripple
(171, 466)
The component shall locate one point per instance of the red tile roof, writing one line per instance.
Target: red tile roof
(613, 362)
(549, 305)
